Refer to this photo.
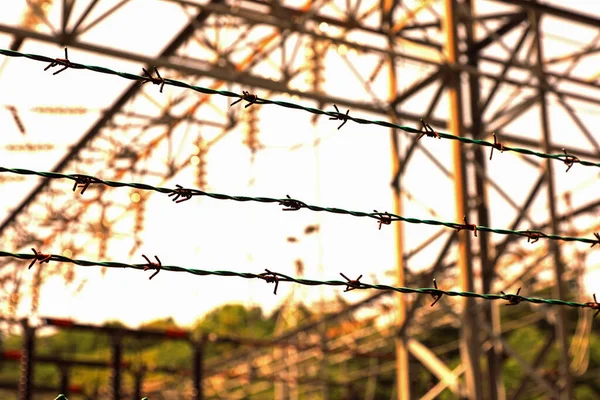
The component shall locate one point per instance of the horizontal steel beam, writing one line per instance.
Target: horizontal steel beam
(558, 12)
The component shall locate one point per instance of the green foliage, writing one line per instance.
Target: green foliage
(238, 321)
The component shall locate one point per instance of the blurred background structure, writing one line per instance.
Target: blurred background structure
(524, 70)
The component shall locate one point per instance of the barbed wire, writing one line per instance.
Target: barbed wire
(181, 194)
(568, 159)
(277, 277)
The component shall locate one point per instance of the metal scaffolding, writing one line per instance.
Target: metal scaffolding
(478, 66)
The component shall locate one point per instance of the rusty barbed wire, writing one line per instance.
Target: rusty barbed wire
(568, 159)
(181, 194)
(276, 277)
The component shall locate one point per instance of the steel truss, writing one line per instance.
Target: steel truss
(497, 63)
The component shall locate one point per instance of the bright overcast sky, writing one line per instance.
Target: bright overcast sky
(350, 168)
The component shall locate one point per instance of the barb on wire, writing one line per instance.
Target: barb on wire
(60, 61)
(597, 242)
(294, 205)
(181, 194)
(497, 145)
(158, 80)
(534, 236)
(436, 294)
(270, 277)
(349, 284)
(152, 265)
(256, 100)
(426, 129)
(82, 182)
(291, 204)
(384, 218)
(249, 97)
(42, 258)
(594, 305)
(340, 117)
(568, 159)
(513, 299)
(467, 226)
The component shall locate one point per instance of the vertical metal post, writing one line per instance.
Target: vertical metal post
(138, 382)
(26, 377)
(117, 352)
(198, 369)
(64, 380)
(495, 379)
(558, 291)
(402, 358)
(469, 343)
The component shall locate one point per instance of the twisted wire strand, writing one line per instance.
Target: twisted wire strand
(182, 194)
(270, 277)
(568, 159)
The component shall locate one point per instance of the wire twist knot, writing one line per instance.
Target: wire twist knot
(568, 159)
(513, 299)
(436, 294)
(594, 305)
(181, 194)
(82, 182)
(597, 235)
(352, 284)
(42, 258)
(249, 97)
(383, 218)
(467, 226)
(426, 129)
(60, 61)
(158, 80)
(291, 204)
(338, 116)
(497, 145)
(534, 236)
(270, 277)
(152, 265)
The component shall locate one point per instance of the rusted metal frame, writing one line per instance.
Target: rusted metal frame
(558, 12)
(97, 127)
(559, 289)
(513, 22)
(415, 142)
(501, 247)
(505, 68)
(527, 367)
(295, 27)
(586, 132)
(494, 362)
(504, 116)
(67, 8)
(416, 87)
(82, 17)
(539, 358)
(501, 192)
(102, 17)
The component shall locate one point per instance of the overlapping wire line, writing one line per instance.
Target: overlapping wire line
(276, 277)
(568, 159)
(181, 194)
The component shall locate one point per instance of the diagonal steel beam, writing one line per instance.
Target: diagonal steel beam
(131, 91)
(417, 86)
(536, 363)
(511, 24)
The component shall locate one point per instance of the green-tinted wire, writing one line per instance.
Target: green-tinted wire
(270, 276)
(565, 158)
(289, 202)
